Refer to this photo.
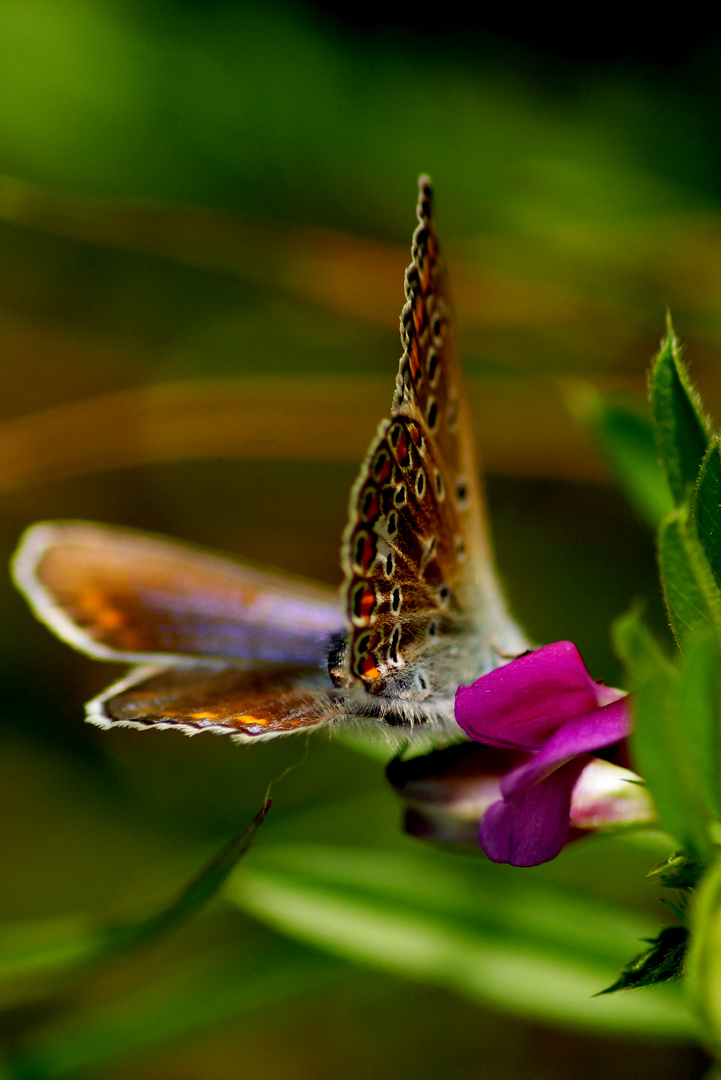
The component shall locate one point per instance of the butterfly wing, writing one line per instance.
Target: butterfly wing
(123, 595)
(244, 650)
(420, 593)
(249, 703)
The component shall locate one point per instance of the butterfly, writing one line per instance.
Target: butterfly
(228, 648)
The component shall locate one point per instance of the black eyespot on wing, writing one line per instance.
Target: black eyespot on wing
(461, 492)
(433, 367)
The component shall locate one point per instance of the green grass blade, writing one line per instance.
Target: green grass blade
(534, 950)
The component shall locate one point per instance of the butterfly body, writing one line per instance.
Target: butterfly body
(255, 654)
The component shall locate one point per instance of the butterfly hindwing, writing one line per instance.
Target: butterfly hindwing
(248, 703)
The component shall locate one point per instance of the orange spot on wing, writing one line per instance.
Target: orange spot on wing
(248, 719)
(368, 668)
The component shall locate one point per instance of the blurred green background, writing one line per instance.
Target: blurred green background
(205, 212)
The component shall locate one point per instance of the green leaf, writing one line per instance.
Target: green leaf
(627, 440)
(198, 892)
(693, 599)
(634, 643)
(707, 507)
(675, 736)
(481, 930)
(682, 431)
(661, 962)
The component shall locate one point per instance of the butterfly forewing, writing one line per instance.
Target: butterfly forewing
(418, 582)
(119, 594)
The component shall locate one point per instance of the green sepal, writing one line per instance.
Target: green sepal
(682, 430)
(692, 596)
(663, 960)
(678, 871)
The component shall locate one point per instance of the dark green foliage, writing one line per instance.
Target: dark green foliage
(706, 504)
(663, 960)
(678, 871)
(681, 429)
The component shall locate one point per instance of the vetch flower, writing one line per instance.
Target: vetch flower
(546, 705)
(446, 792)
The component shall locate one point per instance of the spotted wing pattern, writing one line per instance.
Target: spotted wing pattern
(246, 652)
(415, 549)
(250, 703)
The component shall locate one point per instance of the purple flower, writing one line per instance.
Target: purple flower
(546, 704)
(446, 792)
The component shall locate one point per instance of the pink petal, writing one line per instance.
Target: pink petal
(524, 702)
(533, 827)
(582, 735)
(609, 795)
